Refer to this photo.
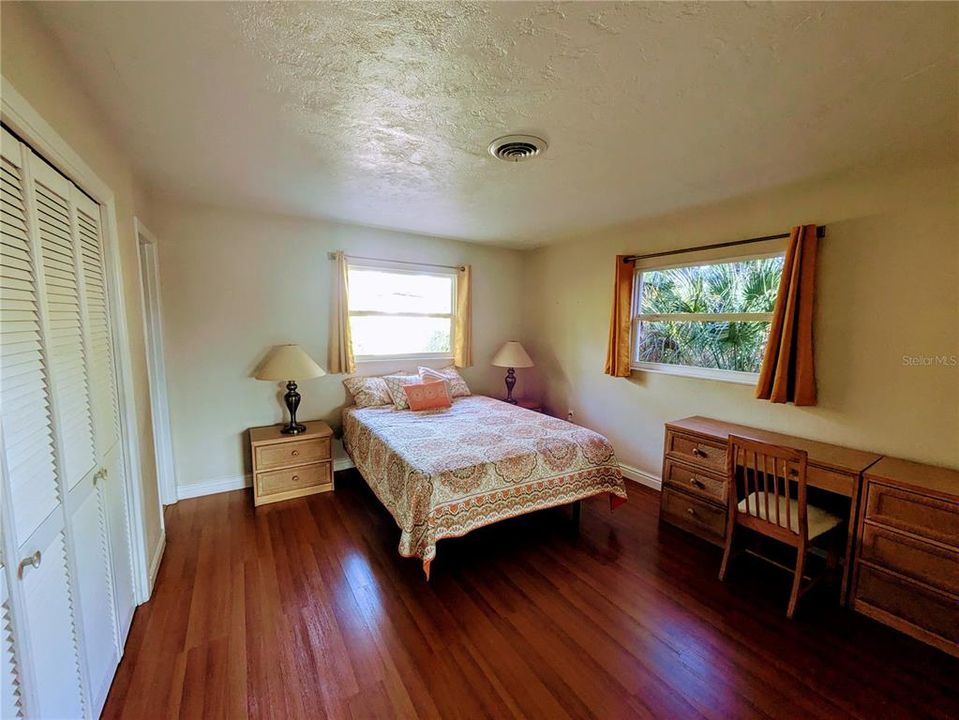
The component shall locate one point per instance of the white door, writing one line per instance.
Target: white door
(32, 468)
(11, 703)
(66, 486)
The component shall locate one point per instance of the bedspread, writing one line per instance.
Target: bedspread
(444, 473)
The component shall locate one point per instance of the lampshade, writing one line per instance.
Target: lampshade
(512, 355)
(288, 362)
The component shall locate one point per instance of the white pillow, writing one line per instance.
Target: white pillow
(368, 391)
(458, 386)
(395, 383)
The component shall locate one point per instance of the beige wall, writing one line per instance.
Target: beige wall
(888, 286)
(235, 283)
(33, 63)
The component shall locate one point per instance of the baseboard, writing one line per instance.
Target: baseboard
(641, 477)
(342, 463)
(213, 486)
(155, 561)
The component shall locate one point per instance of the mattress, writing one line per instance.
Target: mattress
(443, 473)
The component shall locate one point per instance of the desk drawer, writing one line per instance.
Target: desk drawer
(931, 564)
(925, 516)
(300, 478)
(695, 515)
(693, 450)
(300, 452)
(903, 604)
(694, 482)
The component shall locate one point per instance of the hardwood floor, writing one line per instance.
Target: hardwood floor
(304, 610)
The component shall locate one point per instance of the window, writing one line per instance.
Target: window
(400, 312)
(710, 320)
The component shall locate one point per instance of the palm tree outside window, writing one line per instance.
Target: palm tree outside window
(707, 320)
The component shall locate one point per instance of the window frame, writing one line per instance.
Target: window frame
(693, 371)
(406, 269)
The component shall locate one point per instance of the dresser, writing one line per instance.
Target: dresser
(291, 466)
(694, 475)
(907, 558)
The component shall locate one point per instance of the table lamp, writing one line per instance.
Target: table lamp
(511, 355)
(290, 363)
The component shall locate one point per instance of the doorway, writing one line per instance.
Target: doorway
(147, 252)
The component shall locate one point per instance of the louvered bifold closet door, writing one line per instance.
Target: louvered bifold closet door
(76, 353)
(65, 347)
(105, 402)
(11, 701)
(33, 487)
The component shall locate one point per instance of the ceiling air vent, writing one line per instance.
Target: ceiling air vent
(515, 148)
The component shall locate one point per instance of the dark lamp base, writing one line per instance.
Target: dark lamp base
(510, 382)
(292, 399)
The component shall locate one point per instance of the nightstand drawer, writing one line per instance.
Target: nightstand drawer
(294, 452)
(300, 478)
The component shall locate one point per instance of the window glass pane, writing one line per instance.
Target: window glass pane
(735, 287)
(721, 345)
(381, 335)
(384, 291)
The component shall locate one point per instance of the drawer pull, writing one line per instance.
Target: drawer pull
(31, 560)
(691, 511)
(295, 478)
(696, 482)
(699, 453)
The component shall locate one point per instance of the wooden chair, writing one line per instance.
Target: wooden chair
(774, 504)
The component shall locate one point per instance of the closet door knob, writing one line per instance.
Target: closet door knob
(31, 560)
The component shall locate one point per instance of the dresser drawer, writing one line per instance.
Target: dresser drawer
(297, 452)
(691, 449)
(902, 604)
(925, 516)
(301, 478)
(694, 482)
(693, 514)
(931, 564)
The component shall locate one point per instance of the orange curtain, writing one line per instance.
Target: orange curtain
(463, 329)
(617, 352)
(341, 358)
(788, 373)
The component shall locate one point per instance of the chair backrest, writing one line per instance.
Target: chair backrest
(769, 474)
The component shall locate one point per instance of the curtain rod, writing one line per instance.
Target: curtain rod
(820, 233)
(332, 256)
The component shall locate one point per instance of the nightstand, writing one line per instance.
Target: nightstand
(291, 466)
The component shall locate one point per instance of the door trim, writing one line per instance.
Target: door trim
(148, 262)
(21, 117)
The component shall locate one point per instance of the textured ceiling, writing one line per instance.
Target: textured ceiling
(380, 114)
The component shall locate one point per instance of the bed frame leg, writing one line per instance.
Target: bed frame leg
(577, 513)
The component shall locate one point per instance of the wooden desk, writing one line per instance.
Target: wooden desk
(694, 475)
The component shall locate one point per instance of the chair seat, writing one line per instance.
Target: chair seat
(818, 520)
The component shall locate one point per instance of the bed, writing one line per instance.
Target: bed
(443, 473)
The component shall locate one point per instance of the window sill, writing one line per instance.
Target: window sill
(730, 376)
(369, 359)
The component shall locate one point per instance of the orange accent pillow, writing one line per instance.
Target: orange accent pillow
(428, 395)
